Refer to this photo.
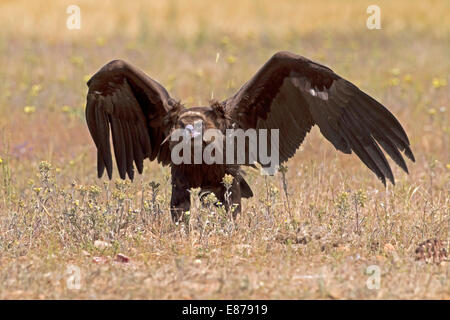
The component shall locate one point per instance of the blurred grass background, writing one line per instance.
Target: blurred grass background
(240, 18)
(43, 71)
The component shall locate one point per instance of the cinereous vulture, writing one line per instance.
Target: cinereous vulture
(290, 93)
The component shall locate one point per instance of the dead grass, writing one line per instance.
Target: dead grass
(53, 208)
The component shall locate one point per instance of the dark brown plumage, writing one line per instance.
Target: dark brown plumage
(289, 93)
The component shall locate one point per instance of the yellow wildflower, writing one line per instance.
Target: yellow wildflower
(29, 109)
(231, 59)
(432, 111)
(35, 89)
(407, 78)
(395, 71)
(439, 82)
(101, 41)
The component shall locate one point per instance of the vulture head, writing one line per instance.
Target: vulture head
(195, 121)
(287, 97)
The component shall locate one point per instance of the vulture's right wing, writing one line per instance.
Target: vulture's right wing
(133, 105)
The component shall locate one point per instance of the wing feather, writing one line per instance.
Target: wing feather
(126, 102)
(292, 94)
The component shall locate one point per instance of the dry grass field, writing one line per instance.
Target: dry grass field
(313, 239)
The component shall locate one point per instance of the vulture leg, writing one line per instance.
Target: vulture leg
(234, 200)
(180, 202)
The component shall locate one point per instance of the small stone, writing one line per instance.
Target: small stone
(122, 258)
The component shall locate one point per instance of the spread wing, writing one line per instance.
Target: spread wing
(292, 94)
(125, 101)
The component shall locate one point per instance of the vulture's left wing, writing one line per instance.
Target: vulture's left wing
(292, 94)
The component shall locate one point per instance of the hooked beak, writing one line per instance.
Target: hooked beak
(192, 131)
(189, 131)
